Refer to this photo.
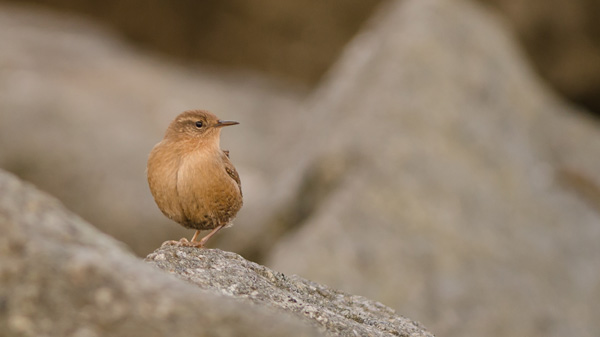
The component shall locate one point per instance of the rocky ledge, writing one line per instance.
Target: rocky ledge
(61, 277)
(335, 313)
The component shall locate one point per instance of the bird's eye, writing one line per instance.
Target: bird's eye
(199, 124)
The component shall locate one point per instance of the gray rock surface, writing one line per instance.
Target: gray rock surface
(466, 194)
(61, 277)
(334, 312)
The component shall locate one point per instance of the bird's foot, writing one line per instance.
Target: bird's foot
(197, 244)
(183, 243)
(170, 243)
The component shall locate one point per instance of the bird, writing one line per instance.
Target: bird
(191, 178)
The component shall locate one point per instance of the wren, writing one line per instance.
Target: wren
(191, 178)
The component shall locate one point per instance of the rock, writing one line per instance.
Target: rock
(466, 194)
(61, 277)
(334, 312)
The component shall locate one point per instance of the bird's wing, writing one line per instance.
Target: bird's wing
(231, 170)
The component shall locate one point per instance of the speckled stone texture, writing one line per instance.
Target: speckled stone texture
(334, 312)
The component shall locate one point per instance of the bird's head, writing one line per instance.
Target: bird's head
(198, 125)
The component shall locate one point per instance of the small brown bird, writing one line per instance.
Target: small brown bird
(191, 178)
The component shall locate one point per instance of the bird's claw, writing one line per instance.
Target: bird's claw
(183, 242)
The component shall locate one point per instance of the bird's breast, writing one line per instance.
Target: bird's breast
(208, 196)
(163, 166)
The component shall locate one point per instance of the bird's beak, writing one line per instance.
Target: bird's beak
(221, 123)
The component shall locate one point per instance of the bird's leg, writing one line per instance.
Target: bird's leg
(201, 243)
(195, 236)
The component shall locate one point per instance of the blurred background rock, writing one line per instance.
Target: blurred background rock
(403, 150)
(299, 40)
